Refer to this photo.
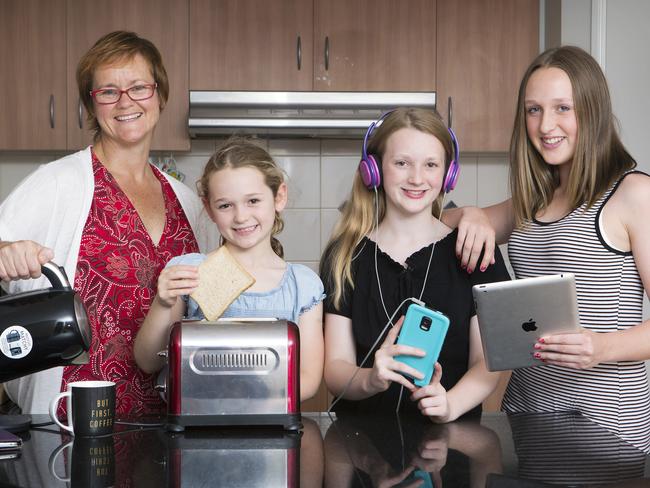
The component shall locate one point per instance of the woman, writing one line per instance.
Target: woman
(109, 217)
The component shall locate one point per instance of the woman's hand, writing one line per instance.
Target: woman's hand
(387, 369)
(581, 350)
(432, 399)
(475, 235)
(175, 281)
(22, 259)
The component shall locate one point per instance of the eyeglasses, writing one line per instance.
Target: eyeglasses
(108, 96)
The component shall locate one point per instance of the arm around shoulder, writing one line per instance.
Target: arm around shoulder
(479, 230)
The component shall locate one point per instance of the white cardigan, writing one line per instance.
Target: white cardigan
(51, 207)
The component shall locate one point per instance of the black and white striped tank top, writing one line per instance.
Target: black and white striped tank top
(610, 298)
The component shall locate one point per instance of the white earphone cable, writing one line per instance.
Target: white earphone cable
(383, 304)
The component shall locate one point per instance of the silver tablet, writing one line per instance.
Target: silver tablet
(512, 315)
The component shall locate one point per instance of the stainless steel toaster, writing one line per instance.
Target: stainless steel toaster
(233, 372)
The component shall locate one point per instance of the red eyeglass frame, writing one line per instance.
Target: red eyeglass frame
(122, 92)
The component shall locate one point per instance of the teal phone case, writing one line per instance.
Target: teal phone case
(425, 329)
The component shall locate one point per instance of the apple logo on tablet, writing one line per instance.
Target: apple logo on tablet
(529, 325)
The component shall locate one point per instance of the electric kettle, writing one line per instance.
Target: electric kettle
(41, 329)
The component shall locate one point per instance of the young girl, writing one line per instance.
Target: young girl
(577, 207)
(244, 192)
(370, 270)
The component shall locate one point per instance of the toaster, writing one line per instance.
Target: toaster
(234, 372)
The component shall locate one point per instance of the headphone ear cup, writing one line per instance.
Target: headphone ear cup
(451, 178)
(369, 172)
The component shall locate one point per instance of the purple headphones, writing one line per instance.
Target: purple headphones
(369, 169)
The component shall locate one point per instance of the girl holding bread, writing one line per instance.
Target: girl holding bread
(243, 191)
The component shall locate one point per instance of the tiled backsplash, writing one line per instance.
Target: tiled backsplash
(319, 175)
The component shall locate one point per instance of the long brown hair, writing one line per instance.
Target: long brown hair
(600, 157)
(241, 152)
(358, 214)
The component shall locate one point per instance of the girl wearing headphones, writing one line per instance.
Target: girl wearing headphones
(388, 246)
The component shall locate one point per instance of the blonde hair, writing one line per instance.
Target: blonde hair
(358, 214)
(599, 158)
(240, 152)
(114, 47)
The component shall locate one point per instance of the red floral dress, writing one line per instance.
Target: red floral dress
(116, 277)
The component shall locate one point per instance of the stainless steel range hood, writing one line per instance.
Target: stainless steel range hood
(295, 114)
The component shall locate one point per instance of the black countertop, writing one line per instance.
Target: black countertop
(524, 450)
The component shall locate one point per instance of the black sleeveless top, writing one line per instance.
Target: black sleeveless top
(448, 290)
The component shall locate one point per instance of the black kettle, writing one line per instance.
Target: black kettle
(41, 329)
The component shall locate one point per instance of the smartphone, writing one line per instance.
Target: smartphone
(425, 329)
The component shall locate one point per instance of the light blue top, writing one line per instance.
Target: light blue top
(298, 292)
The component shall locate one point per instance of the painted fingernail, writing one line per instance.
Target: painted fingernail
(462, 266)
(537, 355)
(469, 270)
(537, 346)
(541, 339)
(483, 268)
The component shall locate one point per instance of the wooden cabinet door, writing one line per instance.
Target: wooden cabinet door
(32, 74)
(484, 47)
(251, 45)
(163, 22)
(375, 45)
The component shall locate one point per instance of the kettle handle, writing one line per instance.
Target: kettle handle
(56, 275)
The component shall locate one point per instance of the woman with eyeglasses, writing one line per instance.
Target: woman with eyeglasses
(109, 217)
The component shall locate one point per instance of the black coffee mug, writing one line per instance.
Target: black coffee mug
(91, 408)
(91, 464)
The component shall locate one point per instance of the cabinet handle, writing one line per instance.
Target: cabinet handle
(299, 53)
(327, 53)
(81, 113)
(450, 112)
(51, 111)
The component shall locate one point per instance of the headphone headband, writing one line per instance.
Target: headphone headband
(369, 169)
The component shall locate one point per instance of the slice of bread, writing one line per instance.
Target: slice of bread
(221, 280)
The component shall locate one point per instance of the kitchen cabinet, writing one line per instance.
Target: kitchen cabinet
(32, 74)
(251, 45)
(163, 22)
(484, 47)
(320, 45)
(375, 45)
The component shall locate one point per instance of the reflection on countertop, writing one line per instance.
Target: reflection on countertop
(523, 450)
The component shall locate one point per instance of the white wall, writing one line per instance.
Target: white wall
(576, 23)
(627, 65)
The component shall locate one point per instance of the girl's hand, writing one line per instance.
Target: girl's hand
(475, 235)
(432, 399)
(581, 350)
(387, 369)
(22, 259)
(175, 281)
(432, 456)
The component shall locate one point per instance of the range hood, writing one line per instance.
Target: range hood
(295, 114)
